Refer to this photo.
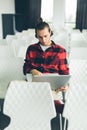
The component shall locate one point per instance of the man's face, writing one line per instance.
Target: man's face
(44, 36)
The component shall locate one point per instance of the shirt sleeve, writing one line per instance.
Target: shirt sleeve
(63, 63)
(27, 65)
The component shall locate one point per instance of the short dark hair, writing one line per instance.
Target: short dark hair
(41, 25)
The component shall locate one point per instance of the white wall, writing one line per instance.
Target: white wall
(6, 6)
(59, 13)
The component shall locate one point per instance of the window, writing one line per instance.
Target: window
(70, 11)
(47, 10)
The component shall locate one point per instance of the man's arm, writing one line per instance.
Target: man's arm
(35, 72)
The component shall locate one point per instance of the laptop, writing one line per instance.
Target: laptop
(55, 80)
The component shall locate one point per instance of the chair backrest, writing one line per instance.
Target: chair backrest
(6, 51)
(77, 39)
(78, 53)
(84, 32)
(30, 105)
(78, 70)
(22, 51)
(76, 107)
(16, 45)
(9, 38)
(3, 42)
(76, 104)
(10, 69)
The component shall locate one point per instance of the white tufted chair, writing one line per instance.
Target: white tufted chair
(30, 105)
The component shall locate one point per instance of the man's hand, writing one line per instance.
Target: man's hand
(35, 72)
(62, 89)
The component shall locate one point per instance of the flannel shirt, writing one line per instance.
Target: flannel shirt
(52, 60)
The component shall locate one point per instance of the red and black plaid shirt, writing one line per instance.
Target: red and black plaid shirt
(53, 60)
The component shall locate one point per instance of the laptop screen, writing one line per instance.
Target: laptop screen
(56, 81)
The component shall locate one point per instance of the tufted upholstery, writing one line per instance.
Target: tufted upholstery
(30, 106)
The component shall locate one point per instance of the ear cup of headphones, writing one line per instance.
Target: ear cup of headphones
(51, 33)
(35, 35)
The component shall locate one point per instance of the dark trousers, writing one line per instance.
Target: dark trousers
(56, 123)
(4, 121)
(58, 120)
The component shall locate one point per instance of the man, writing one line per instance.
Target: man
(45, 56)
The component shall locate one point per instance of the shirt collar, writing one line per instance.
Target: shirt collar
(52, 45)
